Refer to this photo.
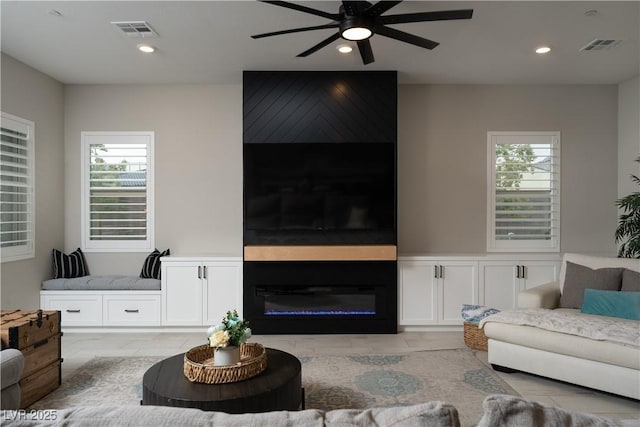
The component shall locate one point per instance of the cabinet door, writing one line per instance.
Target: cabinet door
(540, 272)
(417, 296)
(499, 285)
(458, 285)
(223, 290)
(181, 293)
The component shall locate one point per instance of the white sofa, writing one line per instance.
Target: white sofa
(594, 363)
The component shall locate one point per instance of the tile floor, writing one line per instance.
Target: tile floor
(79, 348)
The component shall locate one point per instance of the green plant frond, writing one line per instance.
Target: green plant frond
(627, 233)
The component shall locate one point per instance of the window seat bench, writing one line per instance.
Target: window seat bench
(99, 301)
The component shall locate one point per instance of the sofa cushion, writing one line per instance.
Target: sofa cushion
(503, 410)
(578, 278)
(68, 266)
(630, 280)
(612, 303)
(432, 414)
(570, 345)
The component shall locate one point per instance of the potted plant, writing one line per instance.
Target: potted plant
(226, 338)
(628, 231)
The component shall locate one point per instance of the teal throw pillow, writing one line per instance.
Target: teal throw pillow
(612, 303)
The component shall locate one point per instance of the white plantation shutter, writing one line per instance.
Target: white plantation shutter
(524, 191)
(118, 196)
(17, 157)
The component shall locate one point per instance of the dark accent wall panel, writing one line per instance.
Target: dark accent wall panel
(319, 106)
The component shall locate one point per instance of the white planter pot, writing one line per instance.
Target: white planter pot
(226, 356)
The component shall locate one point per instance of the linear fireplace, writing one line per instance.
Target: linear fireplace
(320, 296)
(319, 201)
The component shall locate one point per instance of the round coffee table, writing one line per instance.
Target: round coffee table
(277, 388)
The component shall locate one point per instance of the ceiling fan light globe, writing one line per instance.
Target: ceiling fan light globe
(356, 33)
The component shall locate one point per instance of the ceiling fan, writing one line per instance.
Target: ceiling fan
(359, 20)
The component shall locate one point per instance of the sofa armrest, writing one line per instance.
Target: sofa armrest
(11, 366)
(543, 296)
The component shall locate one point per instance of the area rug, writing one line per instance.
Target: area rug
(330, 382)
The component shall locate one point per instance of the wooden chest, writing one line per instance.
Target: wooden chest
(37, 335)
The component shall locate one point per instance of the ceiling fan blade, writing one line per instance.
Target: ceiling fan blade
(381, 7)
(299, 8)
(296, 30)
(366, 53)
(320, 45)
(443, 15)
(354, 7)
(406, 37)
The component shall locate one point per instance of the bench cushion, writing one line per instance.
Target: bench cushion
(102, 283)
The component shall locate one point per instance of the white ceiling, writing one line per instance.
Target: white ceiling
(209, 42)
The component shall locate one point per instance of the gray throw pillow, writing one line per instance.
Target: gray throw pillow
(578, 278)
(630, 280)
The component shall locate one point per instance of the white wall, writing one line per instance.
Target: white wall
(442, 134)
(198, 164)
(198, 135)
(29, 94)
(628, 135)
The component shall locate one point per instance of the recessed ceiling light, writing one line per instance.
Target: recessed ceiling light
(543, 49)
(344, 48)
(146, 48)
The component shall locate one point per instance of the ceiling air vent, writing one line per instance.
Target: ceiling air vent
(135, 29)
(601, 44)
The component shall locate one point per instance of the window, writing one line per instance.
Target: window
(117, 182)
(524, 191)
(17, 210)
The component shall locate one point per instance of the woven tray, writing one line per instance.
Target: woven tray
(474, 337)
(198, 365)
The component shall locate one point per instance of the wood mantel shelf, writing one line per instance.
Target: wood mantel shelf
(321, 253)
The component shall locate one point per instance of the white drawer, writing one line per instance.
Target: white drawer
(76, 310)
(131, 310)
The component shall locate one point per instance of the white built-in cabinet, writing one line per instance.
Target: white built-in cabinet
(199, 290)
(502, 280)
(432, 290)
(104, 308)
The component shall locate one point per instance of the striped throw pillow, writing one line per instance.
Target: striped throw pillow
(151, 266)
(68, 266)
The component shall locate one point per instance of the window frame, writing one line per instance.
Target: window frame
(88, 245)
(26, 251)
(551, 245)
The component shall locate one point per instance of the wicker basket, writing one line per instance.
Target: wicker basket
(198, 365)
(474, 337)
